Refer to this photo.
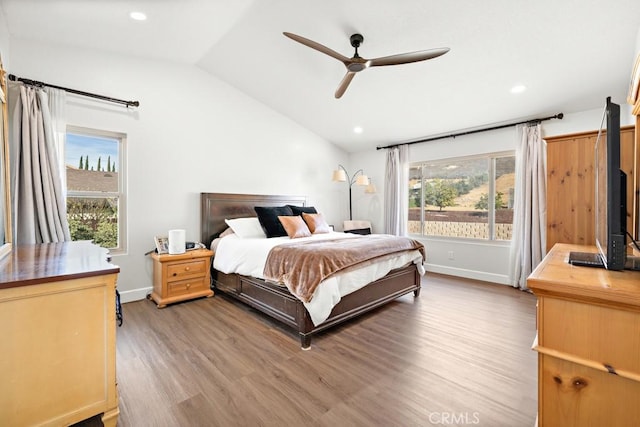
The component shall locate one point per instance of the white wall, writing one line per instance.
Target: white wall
(192, 133)
(480, 260)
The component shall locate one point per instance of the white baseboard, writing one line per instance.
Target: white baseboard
(135, 294)
(469, 274)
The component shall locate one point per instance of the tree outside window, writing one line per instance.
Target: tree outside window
(95, 186)
(463, 197)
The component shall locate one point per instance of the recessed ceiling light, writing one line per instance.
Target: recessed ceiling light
(357, 129)
(138, 16)
(518, 88)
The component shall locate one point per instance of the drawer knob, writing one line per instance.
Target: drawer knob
(188, 285)
(187, 268)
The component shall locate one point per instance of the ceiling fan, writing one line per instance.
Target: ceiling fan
(357, 63)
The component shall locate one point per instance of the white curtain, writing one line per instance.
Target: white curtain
(3, 184)
(58, 110)
(528, 244)
(396, 191)
(39, 205)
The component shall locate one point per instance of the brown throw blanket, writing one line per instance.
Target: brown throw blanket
(302, 266)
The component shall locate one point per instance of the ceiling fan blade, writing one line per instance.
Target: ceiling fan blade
(344, 83)
(317, 46)
(406, 58)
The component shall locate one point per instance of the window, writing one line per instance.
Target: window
(95, 180)
(470, 197)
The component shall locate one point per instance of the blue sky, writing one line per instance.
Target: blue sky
(93, 146)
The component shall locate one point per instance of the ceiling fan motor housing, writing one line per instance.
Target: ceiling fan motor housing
(357, 62)
(356, 40)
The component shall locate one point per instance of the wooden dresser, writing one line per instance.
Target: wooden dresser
(57, 335)
(588, 343)
(181, 277)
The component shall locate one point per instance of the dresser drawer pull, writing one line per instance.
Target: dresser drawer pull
(188, 285)
(187, 268)
(610, 369)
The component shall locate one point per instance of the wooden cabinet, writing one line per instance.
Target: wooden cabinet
(571, 184)
(588, 342)
(181, 277)
(636, 112)
(58, 335)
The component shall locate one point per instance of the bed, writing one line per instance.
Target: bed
(275, 300)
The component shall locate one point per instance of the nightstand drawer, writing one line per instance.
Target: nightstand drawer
(179, 270)
(184, 287)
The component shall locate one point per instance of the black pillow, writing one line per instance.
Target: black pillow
(298, 210)
(268, 217)
(359, 231)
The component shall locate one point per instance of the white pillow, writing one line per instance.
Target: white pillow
(246, 227)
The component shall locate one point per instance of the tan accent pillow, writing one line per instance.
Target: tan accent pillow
(316, 223)
(294, 226)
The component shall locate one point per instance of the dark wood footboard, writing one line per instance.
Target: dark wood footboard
(276, 301)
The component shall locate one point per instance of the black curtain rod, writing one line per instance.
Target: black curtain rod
(77, 92)
(453, 135)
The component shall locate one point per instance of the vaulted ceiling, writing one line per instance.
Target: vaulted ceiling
(570, 55)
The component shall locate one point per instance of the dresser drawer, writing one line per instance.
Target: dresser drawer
(594, 332)
(573, 395)
(180, 270)
(184, 287)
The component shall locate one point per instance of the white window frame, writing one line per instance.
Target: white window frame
(121, 194)
(491, 170)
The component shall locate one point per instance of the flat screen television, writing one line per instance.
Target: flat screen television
(610, 191)
(610, 197)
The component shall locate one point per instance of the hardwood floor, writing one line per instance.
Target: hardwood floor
(459, 354)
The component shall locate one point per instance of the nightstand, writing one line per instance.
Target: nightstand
(181, 277)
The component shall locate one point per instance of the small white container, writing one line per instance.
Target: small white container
(177, 244)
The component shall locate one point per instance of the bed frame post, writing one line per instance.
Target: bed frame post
(418, 282)
(305, 341)
(305, 326)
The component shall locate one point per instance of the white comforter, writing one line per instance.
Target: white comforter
(247, 257)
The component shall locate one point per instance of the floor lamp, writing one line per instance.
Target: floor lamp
(358, 178)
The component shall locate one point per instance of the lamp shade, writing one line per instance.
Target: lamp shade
(339, 175)
(362, 180)
(370, 189)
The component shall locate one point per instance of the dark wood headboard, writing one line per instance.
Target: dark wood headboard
(216, 207)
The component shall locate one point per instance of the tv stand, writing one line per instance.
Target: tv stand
(632, 263)
(588, 343)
